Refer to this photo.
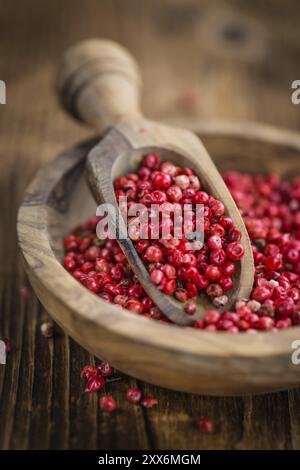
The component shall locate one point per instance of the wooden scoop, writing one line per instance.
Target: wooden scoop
(99, 83)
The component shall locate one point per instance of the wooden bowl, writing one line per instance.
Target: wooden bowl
(170, 356)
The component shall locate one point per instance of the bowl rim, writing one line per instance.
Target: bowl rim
(52, 275)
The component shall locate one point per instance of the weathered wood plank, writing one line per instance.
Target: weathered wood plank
(201, 80)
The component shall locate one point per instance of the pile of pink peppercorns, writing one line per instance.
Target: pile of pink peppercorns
(271, 211)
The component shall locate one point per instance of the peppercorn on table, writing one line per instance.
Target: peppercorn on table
(220, 74)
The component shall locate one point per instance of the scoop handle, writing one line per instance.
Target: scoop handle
(99, 83)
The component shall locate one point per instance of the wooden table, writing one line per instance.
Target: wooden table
(198, 61)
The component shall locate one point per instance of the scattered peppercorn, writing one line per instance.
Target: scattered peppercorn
(95, 383)
(134, 395)
(108, 403)
(204, 425)
(104, 369)
(149, 402)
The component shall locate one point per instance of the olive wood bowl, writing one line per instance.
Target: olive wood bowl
(163, 354)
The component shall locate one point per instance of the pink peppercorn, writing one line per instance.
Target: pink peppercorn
(204, 425)
(212, 317)
(95, 383)
(235, 251)
(104, 369)
(88, 372)
(153, 254)
(149, 402)
(134, 395)
(190, 308)
(265, 323)
(108, 403)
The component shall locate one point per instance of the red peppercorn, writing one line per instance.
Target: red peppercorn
(153, 254)
(199, 324)
(87, 267)
(95, 383)
(104, 278)
(156, 276)
(226, 222)
(101, 265)
(285, 307)
(215, 242)
(212, 317)
(214, 290)
(265, 323)
(71, 243)
(274, 262)
(235, 251)
(201, 282)
(151, 161)
(149, 402)
(182, 181)
(190, 308)
(213, 272)
(218, 257)
(135, 306)
(108, 403)
(113, 289)
(158, 197)
(88, 372)
(134, 395)
(192, 290)
(161, 180)
(91, 284)
(92, 253)
(136, 291)
(181, 294)
(234, 235)
(220, 301)
(169, 168)
(116, 272)
(104, 369)
(228, 268)
(217, 208)
(284, 323)
(226, 283)
(70, 263)
(168, 286)
(292, 255)
(204, 425)
(169, 271)
(261, 293)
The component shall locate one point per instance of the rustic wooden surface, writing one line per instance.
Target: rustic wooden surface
(198, 60)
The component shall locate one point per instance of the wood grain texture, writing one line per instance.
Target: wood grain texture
(221, 78)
